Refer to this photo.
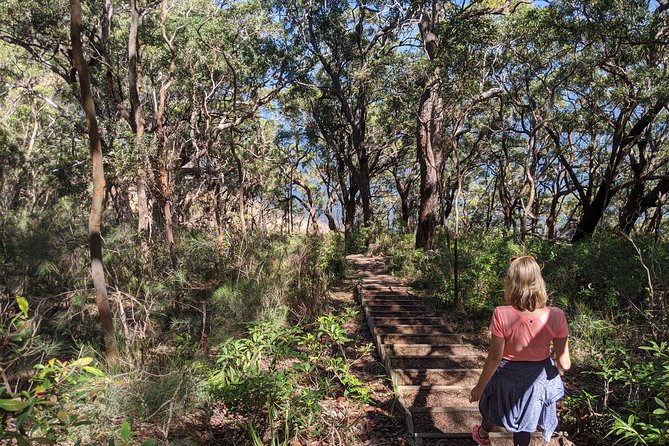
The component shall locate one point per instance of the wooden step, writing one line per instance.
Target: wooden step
(401, 305)
(413, 329)
(463, 439)
(383, 293)
(381, 285)
(448, 421)
(430, 362)
(390, 296)
(428, 320)
(496, 439)
(429, 349)
(391, 301)
(439, 377)
(382, 312)
(397, 307)
(420, 338)
(434, 397)
(506, 439)
(445, 442)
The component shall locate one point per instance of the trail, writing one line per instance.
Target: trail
(431, 364)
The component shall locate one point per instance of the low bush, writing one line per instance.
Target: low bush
(641, 415)
(277, 375)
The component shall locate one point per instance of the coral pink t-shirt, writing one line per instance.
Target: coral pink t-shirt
(528, 338)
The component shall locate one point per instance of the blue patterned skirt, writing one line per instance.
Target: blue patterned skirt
(522, 396)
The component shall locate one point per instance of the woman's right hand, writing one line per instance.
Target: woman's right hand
(476, 394)
(559, 368)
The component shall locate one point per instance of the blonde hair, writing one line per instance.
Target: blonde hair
(524, 287)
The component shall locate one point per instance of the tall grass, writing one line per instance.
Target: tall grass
(170, 320)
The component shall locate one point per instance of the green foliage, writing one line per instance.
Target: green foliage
(578, 412)
(283, 372)
(15, 333)
(644, 417)
(48, 410)
(482, 262)
(583, 273)
(358, 240)
(332, 258)
(125, 437)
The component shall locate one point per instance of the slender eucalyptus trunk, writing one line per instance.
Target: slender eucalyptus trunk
(137, 125)
(164, 161)
(94, 221)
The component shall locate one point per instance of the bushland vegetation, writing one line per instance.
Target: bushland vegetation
(180, 182)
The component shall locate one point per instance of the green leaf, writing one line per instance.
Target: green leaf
(149, 442)
(659, 412)
(94, 371)
(13, 405)
(23, 305)
(63, 417)
(81, 362)
(126, 431)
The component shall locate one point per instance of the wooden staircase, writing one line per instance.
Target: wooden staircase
(431, 366)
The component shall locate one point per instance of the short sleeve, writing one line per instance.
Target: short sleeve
(497, 324)
(560, 324)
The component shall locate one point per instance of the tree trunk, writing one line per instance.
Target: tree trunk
(137, 125)
(364, 185)
(430, 159)
(349, 209)
(94, 221)
(552, 217)
(529, 174)
(429, 145)
(164, 161)
(428, 212)
(362, 173)
(310, 204)
(637, 204)
(332, 225)
(632, 208)
(593, 212)
(219, 219)
(405, 206)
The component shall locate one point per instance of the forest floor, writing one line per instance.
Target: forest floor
(380, 422)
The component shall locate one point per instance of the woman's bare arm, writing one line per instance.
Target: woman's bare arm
(491, 364)
(562, 359)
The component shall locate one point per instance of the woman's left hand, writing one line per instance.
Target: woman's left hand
(476, 394)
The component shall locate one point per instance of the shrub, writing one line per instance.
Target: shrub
(281, 373)
(48, 409)
(644, 417)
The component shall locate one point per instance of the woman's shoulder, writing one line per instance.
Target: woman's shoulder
(503, 308)
(556, 313)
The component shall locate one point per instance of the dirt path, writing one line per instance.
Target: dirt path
(431, 364)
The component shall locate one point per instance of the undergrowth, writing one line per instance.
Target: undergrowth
(276, 376)
(171, 321)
